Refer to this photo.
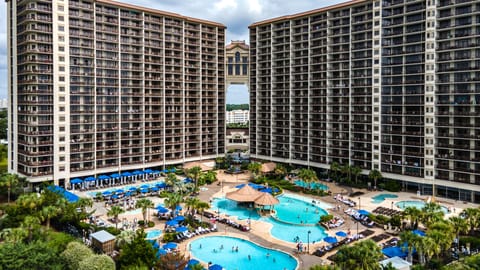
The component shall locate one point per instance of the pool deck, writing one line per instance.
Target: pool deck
(259, 229)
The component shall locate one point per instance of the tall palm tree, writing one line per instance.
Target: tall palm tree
(48, 212)
(346, 170)
(10, 181)
(254, 168)
(408, 238)
(83, 203)
(30, 201)
(355, 171)
(375, 175)
(173, 181)
(114, 212)
(413, 214)
(173, 200)
(335, 168)
(429, 248)
(432, 212)
(201, 206)
(30, 223)
(460, 226)
(308, 176)
(472, 215)
(442, 232)
(280, 170)
(144, 204)
(191, 204)
(362, 255)
(195, 173)
(125, 237)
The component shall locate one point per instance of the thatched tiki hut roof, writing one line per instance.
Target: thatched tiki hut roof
(268, 167)
(266, 199)
(244, 194)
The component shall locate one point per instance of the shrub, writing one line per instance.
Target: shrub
(151, 224)
(169, 237)
(163, 194)
(113, 230)
(141, 223)
(326, 218)
(472, 240)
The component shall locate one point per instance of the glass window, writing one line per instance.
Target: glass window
(230, 69)
(245, 69)
(237, 69)
(237, 57)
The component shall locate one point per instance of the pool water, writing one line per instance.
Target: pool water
(287, 224)
(303, 184)
(297, 211)
(381, 197)
(218, 250)
(417, 204)
(153, 234)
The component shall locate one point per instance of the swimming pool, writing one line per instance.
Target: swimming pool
(221, 250)
(303, 184)
(417, 204)
(153, 234)
(287, 224)
(381, 197)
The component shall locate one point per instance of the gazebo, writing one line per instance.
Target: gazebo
(266, 199)
(268, 167)
(244, 194)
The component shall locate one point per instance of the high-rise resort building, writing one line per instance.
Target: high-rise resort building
(99, 87)
(392, 85)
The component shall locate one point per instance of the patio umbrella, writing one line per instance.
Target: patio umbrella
(132, 188)
(162, 209)
(181, 229)
(394, 252)
(215, 267)
(187, 180)
(240, 186)
(193, 262)
(76, 181)
(330, 239)
(154, 189)
(103, 177)
(144, 186)
(128, 194)
(106, 193)
(145, 190)
(119, 191)
(169, 245)
(178, 208)
(115, 197)
(266, 190)
(126, 174)
(179, 218)
(90, 179)
(363, 212)
(341, 234)
(171, 223)
(161, 252)
(115, 175)
(419, 233)
(137, 172)
(147, 171)
(161, 185)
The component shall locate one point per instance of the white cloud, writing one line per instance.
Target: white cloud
(225, 5)
(254, 6)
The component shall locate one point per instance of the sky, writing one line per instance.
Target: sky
(237, 15)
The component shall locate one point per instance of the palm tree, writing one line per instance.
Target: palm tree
(432, 212)
(48, 212)
(191, 204)
(472, 215)
(10, 181)
(144, 204)
(460, 226)
(195, 173)
(375, 175)
(308, 176)
(362, 255)
(125, 237)
(83, 203)
(30, 223)
(13, 235)
(335, 168)
(442, 232)
(429, 248)
(173, 181)
(31, 201)
(355, 171)
(173, 200)
(115, 211)
(346, 170)
(280, 170)
(408, 238)
(254, 168)
(413, 214)
(389, 266)
(201, 206)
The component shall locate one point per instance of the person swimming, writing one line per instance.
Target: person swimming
(249, 258)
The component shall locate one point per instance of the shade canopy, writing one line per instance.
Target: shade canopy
(266, 199)
(215, 267)
(169, 245)
(90, 179)
(330, 239)
(179, 218)
(115, 175)
(132, 188)
(161, 252)
(148, 171)
(363, 212)
(161, 185)
(126, 174)
(193, 262)
(244, 194)
(394, 252)
(76, 181)
(144, 186)
(341, 234)
(181, 229)
(154, 189)
(145, 190)
(162, 209)
(137, 172)
(103, 177)
(106, 193)
(268, 167)
(171, 223)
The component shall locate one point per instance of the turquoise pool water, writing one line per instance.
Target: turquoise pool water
(381, 197)
(218, 250)
(301, 183)
(153, 234)
(286, 225)
(417, 204)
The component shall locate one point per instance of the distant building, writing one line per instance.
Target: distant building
(238, 116)
(103, 241)
(237, 138)
(237, 54)
(3, 104)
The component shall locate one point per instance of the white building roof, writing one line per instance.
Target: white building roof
(102, 236)
(397, 262)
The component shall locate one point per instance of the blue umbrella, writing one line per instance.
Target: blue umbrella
(90, 179)
(154, 189)
(76, 181)
(161, 185)
(119, 191)
(171, 223)
(137, 172)
(215, 267)
(330, 239)
(106, 193)
(179, 218)
(115, 175)
(394, 252)
(161, 252)
(132, 189)
(126, 174)
(115, 197)
(341, 234)
(187, 180)
(162, 209)
(419, 233)
(363, 212)
(156, 245)
(240, 186)
(145, 190)
(170, 245)
(128, 194)
(178, 208)
(103, 177)
(193, 262)
(267, 190)
(181, 229)
(147, 171)
(156, 171)
(144, 186)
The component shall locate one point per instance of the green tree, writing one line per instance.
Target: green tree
(355, 171)
(144, 204)
(35, 255)
(31, 225)
(202, 206)
(280, 170)
(114, 212)
(407, 239)
(74, 254)
(472, 215)
(324, 267)
(97, 262)
(346, 170)
(459, 225)
(389, 266)
(48, 212)
(363, 255)
(138, 253)
(209, 177)
(173, 200)
(432, 212)
(194, 173)
(10, 181)
(173, 181)
(308, 176)
(375, 175)
(31, 202)
(191, 204)
(125, 237)
(413, 214)
(335, 169)
(254, 168)
(13, 235)
(442, 233)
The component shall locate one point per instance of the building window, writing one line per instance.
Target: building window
(230, 69)
(245, 69)
(237, 69)
(245, 59)
(230, 59)
(237, 57)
